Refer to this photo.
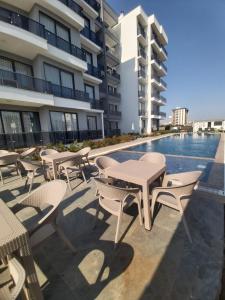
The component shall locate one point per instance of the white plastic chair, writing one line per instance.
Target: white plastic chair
(104, 162)
(84, 155)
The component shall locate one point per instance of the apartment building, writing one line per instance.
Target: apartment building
(180, 116)
(216, 125)
(143, 53)
(49, 75)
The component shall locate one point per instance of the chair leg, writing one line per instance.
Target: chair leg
(31, 183)
(1, 176)
(84, 177)
(184, 221)
(68, 180)
(118, 227)
(139, 210)
(64, 238)
(25, 185)
(153, 207)
(96, 215)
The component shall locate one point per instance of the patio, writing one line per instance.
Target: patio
(156, 264)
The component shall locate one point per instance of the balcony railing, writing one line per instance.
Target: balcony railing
(24, 139)
(163, 99)
(141, 73)
(40, 30)
(115, 113)
(141, 93)
(114, 93)
(142, 53)
(142, 112)
(163, 82)
(114, 74)
(73, 5)
(91, 35)
(22, 22)
(161, 64)
(25, 82)
(96, 104)
(62, 44)
(94, 71)
(162, 114)
(155, 37)
(141, 31)
(94, 4)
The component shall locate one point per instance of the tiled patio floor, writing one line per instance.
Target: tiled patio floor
(160, 264)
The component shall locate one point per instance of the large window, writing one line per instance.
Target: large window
(58, 76)
(55, 27)
(92, 122)
(64, 121)
(90, 90)
(113, 125)
(15, 122)
(89, 57)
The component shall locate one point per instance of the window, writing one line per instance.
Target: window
(55, 27)
(113, 125)
(218, 123)
(89, 57)
(18, 122)
(90, 90)
(92, 122)
(15, 66)
(113, 107)
(87, 22)
(58, 76)
(64, 121)
(111, 89)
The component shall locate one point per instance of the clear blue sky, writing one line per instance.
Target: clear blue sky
(196, 62)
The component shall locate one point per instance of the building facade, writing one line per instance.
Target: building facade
(74, 70)
(180, 116)
(49, 75)
(142, 42)
(209, 125)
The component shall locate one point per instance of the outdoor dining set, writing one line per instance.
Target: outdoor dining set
(118, 185)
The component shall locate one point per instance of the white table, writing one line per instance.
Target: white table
(57, 158)
(140, 173)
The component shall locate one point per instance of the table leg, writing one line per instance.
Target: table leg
(146, 207)
(54, 166)
(33, 287)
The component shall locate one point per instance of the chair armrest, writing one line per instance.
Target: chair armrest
(158, 190)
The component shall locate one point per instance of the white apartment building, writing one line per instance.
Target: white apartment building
(180, 116)
(142, 43)
(208, 125)
(49, 80)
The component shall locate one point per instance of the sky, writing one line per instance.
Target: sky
(196, 53)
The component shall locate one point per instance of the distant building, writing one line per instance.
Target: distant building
(180, 115)
(208, 125)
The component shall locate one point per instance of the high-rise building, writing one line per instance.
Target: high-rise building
(142, 42)
(75, 70)
(180, 116)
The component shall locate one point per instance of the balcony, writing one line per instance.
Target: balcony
(97, 104)
(115, 114)
(113, 76)
(28, 83)
(73, 5)
(32, 39)
(113, 56)
(141, 34)
(142, 76)
(142, 113)
(62, 44)
(160, 84)
(160, 100)
(158, 115)
(159, 66)
(159, 47)
(141, 94)
(94, 4)
(91, 35)
(114, 94)
(93, 74)
(142, 56)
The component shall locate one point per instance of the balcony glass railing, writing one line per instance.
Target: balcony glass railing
(113, 74)
(115, 113)
(94, 4)
(163, 99)
(142, 112)
(114, 93)
(73, 5)
(141, 31)
(94, 71)
(40, 30)
(161, 64)
(141, 73)
(163, 82)
(155, 37)
(162, 114)
(141, 93)
(142, 53)
(62, 44)
(91, 35)
(20, 81)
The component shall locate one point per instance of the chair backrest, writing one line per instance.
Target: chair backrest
(103, 162)
(2, 152)
(47, 152)
(18, 275)
(27, 152)
(180, 179)
(85, 151)
(50, 193)
(28, 166)
(110, 192)
(154, 157)
(8, 159)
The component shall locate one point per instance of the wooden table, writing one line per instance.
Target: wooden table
(14, 238)
(59, 157)
(140, 173)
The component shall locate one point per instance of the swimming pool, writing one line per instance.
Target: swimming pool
(204, 145)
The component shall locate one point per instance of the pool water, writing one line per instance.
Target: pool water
(204, 145)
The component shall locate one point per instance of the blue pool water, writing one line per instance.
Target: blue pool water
(183, 144)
